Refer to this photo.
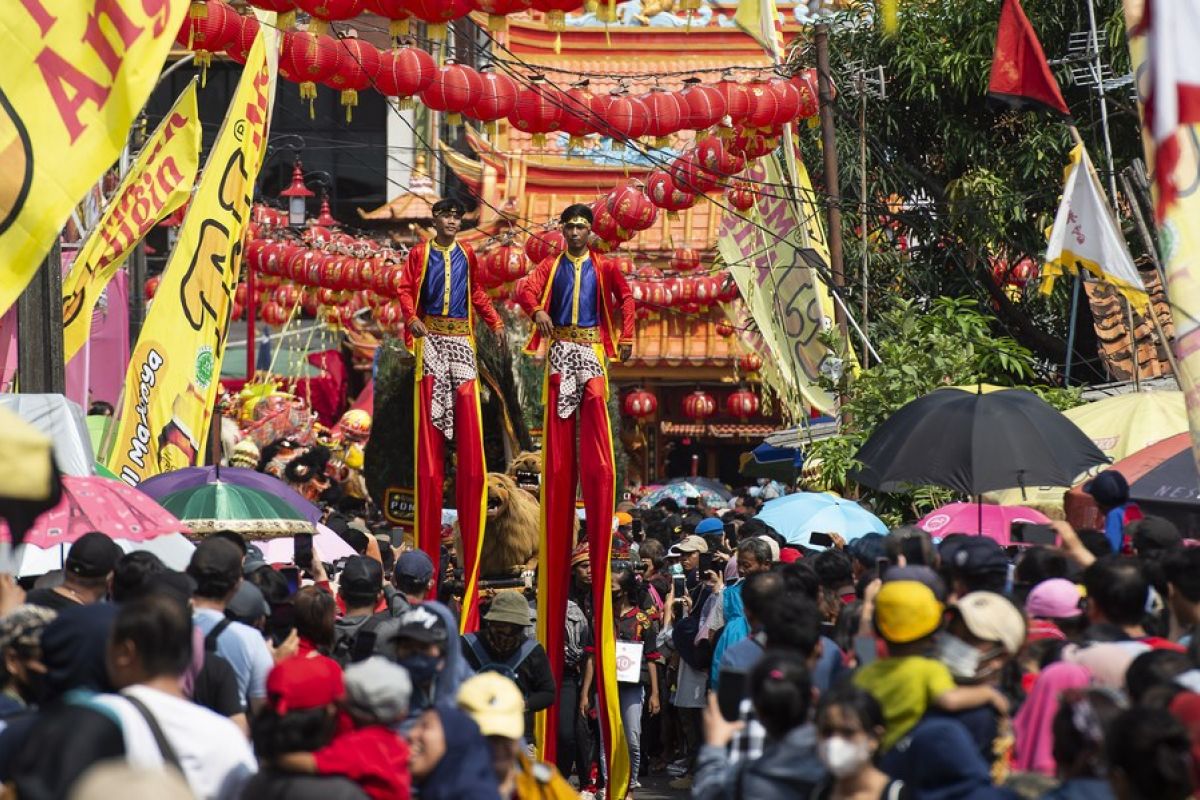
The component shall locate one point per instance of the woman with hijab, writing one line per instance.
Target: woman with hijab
(449, 758)
(1033, 726)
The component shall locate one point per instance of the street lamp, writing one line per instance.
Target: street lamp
(296, 194)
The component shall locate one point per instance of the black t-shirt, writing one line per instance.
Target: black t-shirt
(48, 598)
(58, 747)
(216, 687)
(271, 785)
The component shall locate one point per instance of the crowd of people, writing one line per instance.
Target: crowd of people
(890, 666)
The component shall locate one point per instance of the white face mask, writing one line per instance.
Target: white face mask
(843, 757)
(959, 657)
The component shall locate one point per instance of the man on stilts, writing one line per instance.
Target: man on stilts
(573, 299)
(440, 294)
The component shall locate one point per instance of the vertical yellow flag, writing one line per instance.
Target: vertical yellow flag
(172, 380)
(75, 74)
(158, 183)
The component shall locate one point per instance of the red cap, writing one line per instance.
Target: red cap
(299, 683)
(789, 554)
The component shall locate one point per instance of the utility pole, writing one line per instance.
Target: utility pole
(829, 151)
(40, 367)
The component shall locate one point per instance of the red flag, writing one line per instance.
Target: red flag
(1021, 78)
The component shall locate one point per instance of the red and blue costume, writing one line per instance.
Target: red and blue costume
(583, 297)
(439, 286)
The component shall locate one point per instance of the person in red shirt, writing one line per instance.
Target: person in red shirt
(439, 294)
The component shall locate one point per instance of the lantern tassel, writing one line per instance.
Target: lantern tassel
(287, 20)
(558, 43)
(661, 141)
(539, 140)
(349, 100)
(204, 60)
(556, 20)
(318, 26)
(398, 28)
(405, 104)
(454, 119)
(436, 31)
(497, 23)
(575, 141)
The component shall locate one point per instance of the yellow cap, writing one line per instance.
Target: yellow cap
(495, 703)
(906, 611)
(624, 519)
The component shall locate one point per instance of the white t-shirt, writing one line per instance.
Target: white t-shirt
(216, 758)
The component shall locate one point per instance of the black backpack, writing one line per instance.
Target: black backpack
(358, 644)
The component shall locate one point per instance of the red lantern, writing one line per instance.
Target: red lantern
(556, 13)
(497, 11)
(740, 197)
(624, 264)
(357, 69)
(685, 259)
(724, 329)
(548, 244)
(742, 404)
(453, 90)
(605, 225)
(729, 290)
(581, 114)
(274, 314)
(639, 405)
(286, 10)
(207, 28)
(627, 119)
(509, 263)
(662, 191)
(708, 290)
(436, 13)
(705, 105)
(308, 59)
(325, 11)
(488, 278)
(658, 297)
(332, 274)
(238, 46)
(151, 286)
(710, 156)
(699, 406)
(806, 83)
(405, 72)
(789, 99)
(690, 176)
(498, 96)
(737, 100)
(763, 105)
(1023, 272)
(395, 12)
(538, 110)
(631, 208)
(664, 115)
(750, 362)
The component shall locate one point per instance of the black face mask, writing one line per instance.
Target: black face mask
(501, 643)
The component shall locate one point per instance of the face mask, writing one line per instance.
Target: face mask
(422, 668)
(843, 757)
(502, 644)
(959, 657)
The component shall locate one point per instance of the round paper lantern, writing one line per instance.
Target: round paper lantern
(729, 290)
(624, 264)
(498, 96)
(742, 404)
(238, 46)
(274, 314)
(436, 14)
(705, 105)
(639, 405)
(405, 72)
(710, 156)
(395, 12)
(630, 207)
(308, 59)
(332, 273)
(497, 11)
(723, 329)
(488, 279)
(357, 69)
(1023, 272)
(509, 263)
(673, 291)
(690, 176)
(663, 115)
(662, 191)
(538, 110)
(325, 11)
(207, 28)
(605, 225)
(763, 105)
(626, 118)
(556, 13)
(453, 90)
(737, 100)
(685, 259)
(789, 99)
(699, 406)
(580, 114)
(151, 286)
(740, 197)
(543, 245)
(750, 362)
(805, 82)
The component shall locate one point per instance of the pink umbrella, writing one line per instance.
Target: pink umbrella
(991, 521)
(100, 504)
(326, 543)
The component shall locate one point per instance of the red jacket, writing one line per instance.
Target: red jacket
(412, 279)
(533, 295)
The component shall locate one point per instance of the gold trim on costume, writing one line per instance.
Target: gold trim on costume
(580, 220)
(577, 334)
(447, 326)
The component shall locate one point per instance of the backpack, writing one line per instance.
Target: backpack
(508, 668)
(358, 644)
(683, 637)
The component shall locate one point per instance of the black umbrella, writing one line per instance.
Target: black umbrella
(974, 442)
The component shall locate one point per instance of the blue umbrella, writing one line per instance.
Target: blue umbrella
(797, 516)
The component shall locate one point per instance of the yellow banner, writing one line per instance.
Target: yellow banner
(172, 381)
(158, 183)
(76, 73)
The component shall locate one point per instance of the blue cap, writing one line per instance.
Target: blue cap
(414, 565)
(710, 525)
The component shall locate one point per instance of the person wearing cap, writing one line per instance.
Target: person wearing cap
(216, 567)
(1151, 537)
(422, 641)
(440, 293)
(907, 615)
(1054, 610)
(86, 574)
(412, 579)
(573, 299)
(497, 706)
(376, 695)
(974, 564)
(360, 590)
(503, 645)
(574, 745)
(1110, 490)
(21, 651)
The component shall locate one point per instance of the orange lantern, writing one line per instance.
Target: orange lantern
(699, 406)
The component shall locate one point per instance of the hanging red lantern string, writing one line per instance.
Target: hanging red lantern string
(705, 105)
(685, 259)
(238, 46)
(405, 72)
(324, 12)
(498, 11)
(627, 118)
(547, 244)
(580, 114)
(538, 110)
(207, 29)
(663, 115)
(453, 90)
(789, 99)
(496, 100)
(763, 105)
(662, 192)
(690, 176)
(308, 59)
(750, 362)
(742, 404)
(358, 68)
(805, 82)
(395, 12)
(723, 329)
(710, 157)
(436, 14)
(737, 101)
(606, 227)
(729, 290)
(630, 207)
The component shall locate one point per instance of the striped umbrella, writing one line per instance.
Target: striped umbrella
(222, 506)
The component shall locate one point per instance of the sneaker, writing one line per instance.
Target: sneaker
(677, 769)
(684, 782)
(634, 784)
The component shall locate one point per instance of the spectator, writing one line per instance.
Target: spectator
(21, 649)
(937, 760)
(574, 731)
(1080, 724)
(915, 544)
(1149, 754)
(753, 555)
(422, 642)
(1036, 565)
(1110, 490)
(216, 567)
(360, 591)
(1182, 570)
(850, 728)
(503, 645)
(654, 570)
(1154, 670)
(789, 767)
(149, 650)
(86, 574)
(1118, 595)
(495, 704)
(450, 759)
(1034, 738)
(865, 551)
(1152, 537)
(1054, 610)
(974, 564)
(115, 779)
(315, 612)
(411, 579)
(248, 606)
(835, 571)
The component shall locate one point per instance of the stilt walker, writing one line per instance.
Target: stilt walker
(440, 295)
(573, 301)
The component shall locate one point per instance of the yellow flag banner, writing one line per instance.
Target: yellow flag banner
(159, 182)
(76, 73)
(172, 380)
